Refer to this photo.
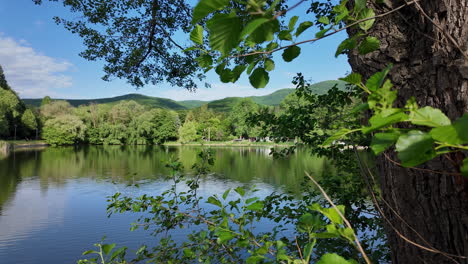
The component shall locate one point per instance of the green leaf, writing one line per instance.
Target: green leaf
(381, 141)
(345, 46)
(385, 118)
(291, 53)
(272, 46)
(108, 248)
(414, 148)
(330, 213)
(446, 134)
(322, 32)
(359, 5)
(265, 32)
(303, 27)
(250, 200)
(464, 168)
(252, 26)
(376, 80)
(237, 72)
(308, 249)
(292, 22)
(205, 7)
(224, 236)
(461, 125)
(240, 191)
(332, 258)
(353, 78)
(118, 252)
(259, 78)
(257, 206)
(269, 65)
(215, 201)
(225, 30)
(226, 193)
(90, 252)
(205, 61)
(226, 75)
(324, 20)
(429, 116)
(285, 35)
(368, 45)
(367, 13)
(455, 134)
(197, 35)
(338, 135)
(360, 108)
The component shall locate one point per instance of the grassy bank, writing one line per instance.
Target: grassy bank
(25, 143)
(244, 143)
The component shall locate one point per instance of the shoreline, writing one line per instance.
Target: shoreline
(228, 144)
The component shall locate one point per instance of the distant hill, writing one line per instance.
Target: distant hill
(272, 99)
(222, 105)
(323, 87)
(189, 104)
(139, 98)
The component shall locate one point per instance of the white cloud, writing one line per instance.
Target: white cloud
(217, 91)
(29, 72)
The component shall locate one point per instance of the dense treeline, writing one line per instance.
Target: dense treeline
(16, 120)
(130, 123)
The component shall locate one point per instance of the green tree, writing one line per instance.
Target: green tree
(64, 130)
(29, 122)
(135, 39)
(239, 115)
(46, 100)
(3, 81)
(188, 132)
(56, 109)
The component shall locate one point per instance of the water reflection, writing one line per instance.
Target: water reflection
(53, 200)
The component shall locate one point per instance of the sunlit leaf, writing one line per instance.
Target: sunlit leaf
(252, 26)
(292, 22)
(225, 32)
(369, 44)
(367, 13)
(303, 27)
(205, 7)
(414, 148)
(429, 116)
(197, 35)
(269, 65)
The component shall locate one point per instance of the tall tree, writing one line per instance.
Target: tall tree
(428, 44)
(136, 39)
(3, 81)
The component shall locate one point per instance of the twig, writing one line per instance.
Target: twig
(444, 32)
(421, 169)
(299, 249)
(379, 209)
(282, 12)
(348, 224)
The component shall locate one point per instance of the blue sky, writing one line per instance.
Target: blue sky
(41, 58)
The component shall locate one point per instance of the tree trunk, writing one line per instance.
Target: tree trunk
(432, 69)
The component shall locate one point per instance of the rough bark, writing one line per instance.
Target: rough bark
(429, 67)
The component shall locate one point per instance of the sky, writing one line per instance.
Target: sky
(41, 58)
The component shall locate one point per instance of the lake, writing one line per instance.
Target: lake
(53, 200)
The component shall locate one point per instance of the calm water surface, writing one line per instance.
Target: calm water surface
(53, 201)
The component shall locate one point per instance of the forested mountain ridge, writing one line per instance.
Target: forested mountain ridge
(221, 105)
